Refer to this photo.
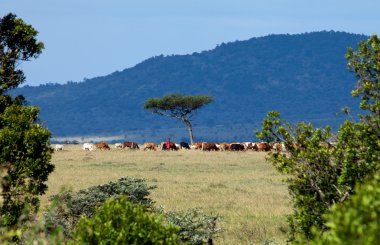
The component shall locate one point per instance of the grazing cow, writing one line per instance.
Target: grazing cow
(58, 147)
(246, 144)
(249, 146)
(102, 146)
(172, 146)
(223, 146)
(88, 147)
(262, 146)
(184, 145)
(209, 147)
(131, 145)
(196, 146)
(118, 146)
(236, 147)
(278, 147)
(150, 146)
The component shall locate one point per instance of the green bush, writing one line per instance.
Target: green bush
(25, 149)
(311, 173)
(355, 221)
(195, 227)
(119, 221)
(72, 206)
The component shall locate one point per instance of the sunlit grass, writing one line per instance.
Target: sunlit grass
(240, 186)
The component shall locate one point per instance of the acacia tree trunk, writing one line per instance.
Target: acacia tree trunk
(188, 124)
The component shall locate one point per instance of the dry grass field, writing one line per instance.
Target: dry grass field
(240, 186)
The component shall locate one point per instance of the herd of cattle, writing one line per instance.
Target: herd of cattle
(203, 146)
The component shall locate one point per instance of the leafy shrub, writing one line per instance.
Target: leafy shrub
(312, 174)
(355, 221)
(195, 227)
(25, 156)
(72, 206)
(119, 221)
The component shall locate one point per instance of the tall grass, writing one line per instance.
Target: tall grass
(240, 186)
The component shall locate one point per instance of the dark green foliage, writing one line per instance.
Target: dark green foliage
(30, 230)
(24, 147)
(358, 148)
(365, 63)
(177, 105)
(72, 206)
(24, 144)
(119, 221)
(355, 221)
(17, 43)
(195, 227)
(320, 177)
(304, 76)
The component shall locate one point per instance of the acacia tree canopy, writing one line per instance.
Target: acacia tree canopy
(178, 106)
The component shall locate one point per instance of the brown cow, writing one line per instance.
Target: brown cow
(262, 146)
(278, 147)
(172, 146)
(209, 147)
(102, 146)
(223, 146)
(196, 146)
(130, 145)
(150, 146)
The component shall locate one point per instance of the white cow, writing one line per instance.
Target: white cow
(58, 147)
(88, 146)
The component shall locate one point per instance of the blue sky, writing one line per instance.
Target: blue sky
(89, 38)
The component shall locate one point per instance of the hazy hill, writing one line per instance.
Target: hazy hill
(303, 76)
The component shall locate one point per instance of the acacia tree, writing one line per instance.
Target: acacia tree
(178, 106)
(25, 151)
(320, 177)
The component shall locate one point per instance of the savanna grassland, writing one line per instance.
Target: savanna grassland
(240, 186)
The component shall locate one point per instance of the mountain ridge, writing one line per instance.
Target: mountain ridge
(304, 76)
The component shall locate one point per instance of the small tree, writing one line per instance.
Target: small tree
(178, 106)
(24, 144)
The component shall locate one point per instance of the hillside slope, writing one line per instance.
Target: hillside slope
(303, 76)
